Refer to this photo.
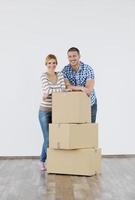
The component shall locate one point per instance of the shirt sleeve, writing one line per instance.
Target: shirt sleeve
(64, 72)
(62, 83)
(90, 73)
(46, 89)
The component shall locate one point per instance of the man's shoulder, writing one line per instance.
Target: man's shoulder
(86, 66)
(66, 67)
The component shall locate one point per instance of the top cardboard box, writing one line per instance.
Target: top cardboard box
(71, 107)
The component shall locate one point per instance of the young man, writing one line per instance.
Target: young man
(80, 77)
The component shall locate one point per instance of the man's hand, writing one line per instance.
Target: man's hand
(86, 90)
(69, 87)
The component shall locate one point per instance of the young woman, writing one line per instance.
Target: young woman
(52, 81)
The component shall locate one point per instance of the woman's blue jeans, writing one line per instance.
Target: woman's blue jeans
(45, 118)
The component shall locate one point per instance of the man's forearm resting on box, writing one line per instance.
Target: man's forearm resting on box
(87, 89)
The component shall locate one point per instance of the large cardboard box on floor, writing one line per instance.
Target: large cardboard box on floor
(71, 107)
(73, 136)
(76, 162)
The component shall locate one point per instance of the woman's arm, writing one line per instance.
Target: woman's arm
(46, 89)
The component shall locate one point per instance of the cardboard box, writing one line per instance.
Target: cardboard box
(73, 136)
(76, 162)
(71, 107)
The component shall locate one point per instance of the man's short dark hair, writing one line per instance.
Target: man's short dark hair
(74, 49)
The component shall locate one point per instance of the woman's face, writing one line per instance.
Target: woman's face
(51, 65)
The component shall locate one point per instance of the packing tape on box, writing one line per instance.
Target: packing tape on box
(58, 145)
(58, 125)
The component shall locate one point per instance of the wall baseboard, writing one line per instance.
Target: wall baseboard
(119, 156)
(18, 157)
(37, 157)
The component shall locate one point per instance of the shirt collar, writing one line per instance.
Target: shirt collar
(80, 67)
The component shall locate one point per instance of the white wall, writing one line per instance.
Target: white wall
(104, 32)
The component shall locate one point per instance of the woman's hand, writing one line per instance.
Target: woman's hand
(44, 97)
(68, 90)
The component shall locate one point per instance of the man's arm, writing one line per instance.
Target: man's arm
(72, 87)
(87, 89)
(89, 86)
(90, 81)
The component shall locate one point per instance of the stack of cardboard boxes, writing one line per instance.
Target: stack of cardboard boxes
(73, 139)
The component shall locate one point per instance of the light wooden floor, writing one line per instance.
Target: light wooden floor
(22, 180)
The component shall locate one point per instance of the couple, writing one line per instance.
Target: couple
(76, 76)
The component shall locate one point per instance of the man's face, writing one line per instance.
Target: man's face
(73, 58)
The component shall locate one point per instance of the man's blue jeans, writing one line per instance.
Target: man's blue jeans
(94, 112)
(45, 118)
